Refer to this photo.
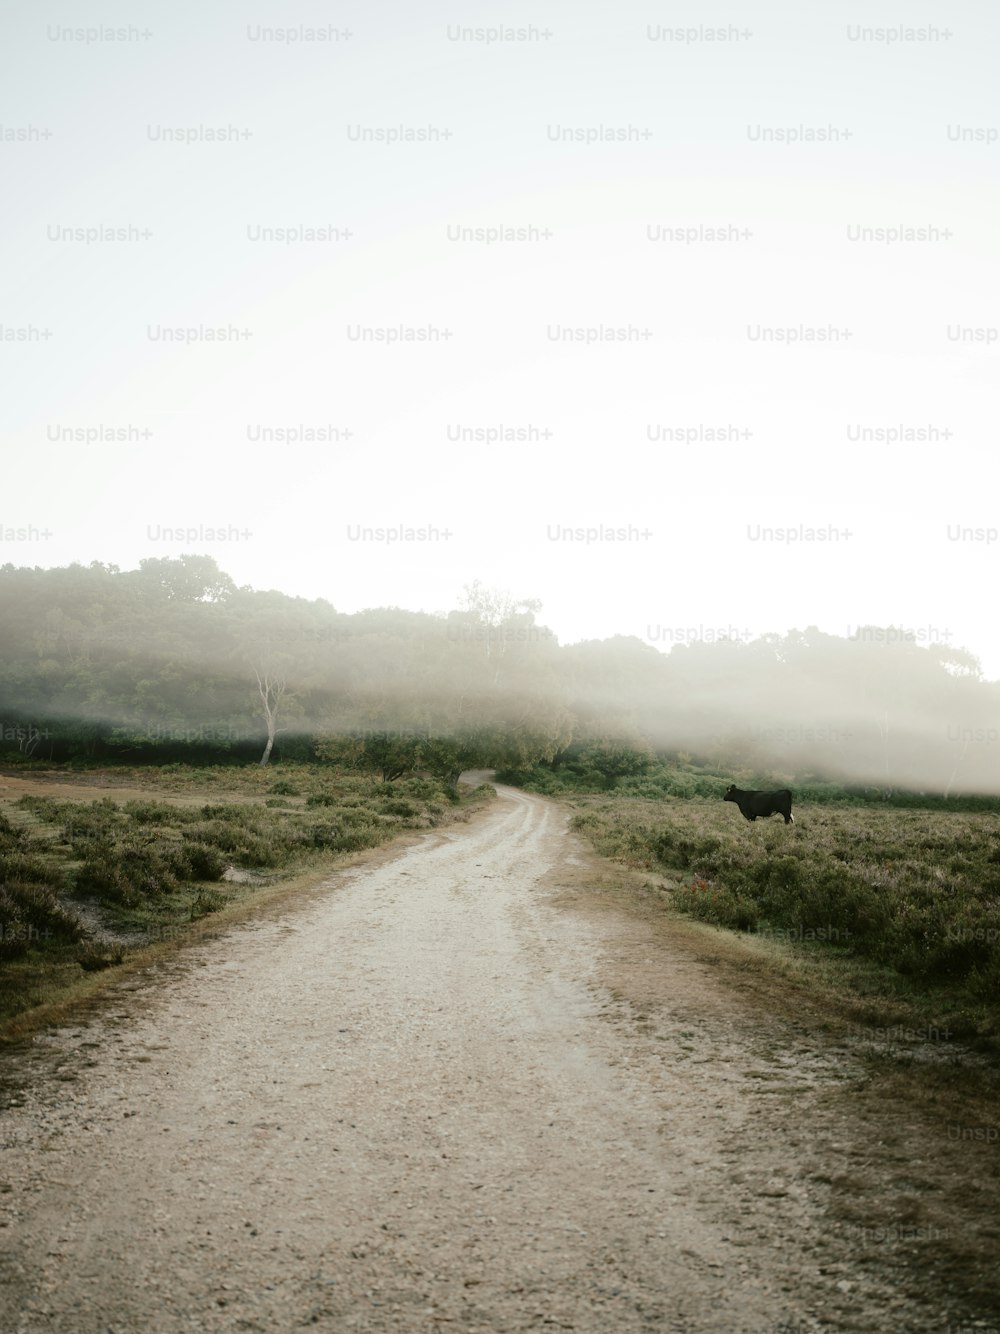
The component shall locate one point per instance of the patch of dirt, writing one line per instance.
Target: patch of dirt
(245, 875)
(100, 932)
(475, 1085)
(64, 787)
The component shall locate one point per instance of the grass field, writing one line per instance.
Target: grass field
(897, 909)
(903, 905)
(97, 868)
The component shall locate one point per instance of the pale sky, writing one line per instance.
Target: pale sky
(691, 134)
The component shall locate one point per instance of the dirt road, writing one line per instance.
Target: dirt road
(433, 1096)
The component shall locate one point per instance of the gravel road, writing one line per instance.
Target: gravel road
(417, 1100)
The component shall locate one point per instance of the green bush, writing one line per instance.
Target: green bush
(237, 813)
(206, 901)
(322, 836)
(125, 872)
(401, 806)
(27, 866)
(45, 808)
(421, 789)
(31, 915)
(245, 846)
(12, 839)
(353, 840)
(198, 861)
(30, 911)
(154, 813)
(86, 822)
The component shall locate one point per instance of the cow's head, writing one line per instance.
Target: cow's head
(730, 793)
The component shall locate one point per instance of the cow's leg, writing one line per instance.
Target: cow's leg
(789, 818)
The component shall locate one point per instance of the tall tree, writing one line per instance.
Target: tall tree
(271, 688)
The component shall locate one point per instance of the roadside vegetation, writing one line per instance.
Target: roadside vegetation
(627, 770)
(899, 900)
(323, 733)
(85, 885)
(174, 661)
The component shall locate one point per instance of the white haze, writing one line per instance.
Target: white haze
(282, 515)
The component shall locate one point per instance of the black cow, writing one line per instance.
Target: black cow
(752, 804)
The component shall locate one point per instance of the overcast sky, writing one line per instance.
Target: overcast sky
(717, 201)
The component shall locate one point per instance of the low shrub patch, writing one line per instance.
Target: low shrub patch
(916, 891)
(124, 872)
(30, 915)
(149, 867)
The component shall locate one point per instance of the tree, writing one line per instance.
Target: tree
(497, 616)
(447, 757)
(187, 578)
(616, 759)
(272, 691)
(389, 754)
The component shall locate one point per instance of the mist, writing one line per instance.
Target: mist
(174, 658)
(695, 332)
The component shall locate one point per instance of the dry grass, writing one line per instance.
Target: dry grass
(896, 912)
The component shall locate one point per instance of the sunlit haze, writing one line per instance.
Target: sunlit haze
(683, 322)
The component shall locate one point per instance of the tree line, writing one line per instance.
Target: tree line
(174, 661)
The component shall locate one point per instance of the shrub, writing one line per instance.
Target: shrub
(353, 840)
(359, 816)
(914, 893)
(95, 957)
(236, 813)
(421, 789)
(84, 823)
(125, 872)
(154, 812)
(30, 913)
(29, 868)
(246, 845)
(12, 839)
(206, 863)
(321, 799)
(197, 861)
(401, 806)
(206, 901)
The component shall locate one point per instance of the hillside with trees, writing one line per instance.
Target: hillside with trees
(173, 661)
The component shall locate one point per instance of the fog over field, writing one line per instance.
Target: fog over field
(681, 326)
(174, 660)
